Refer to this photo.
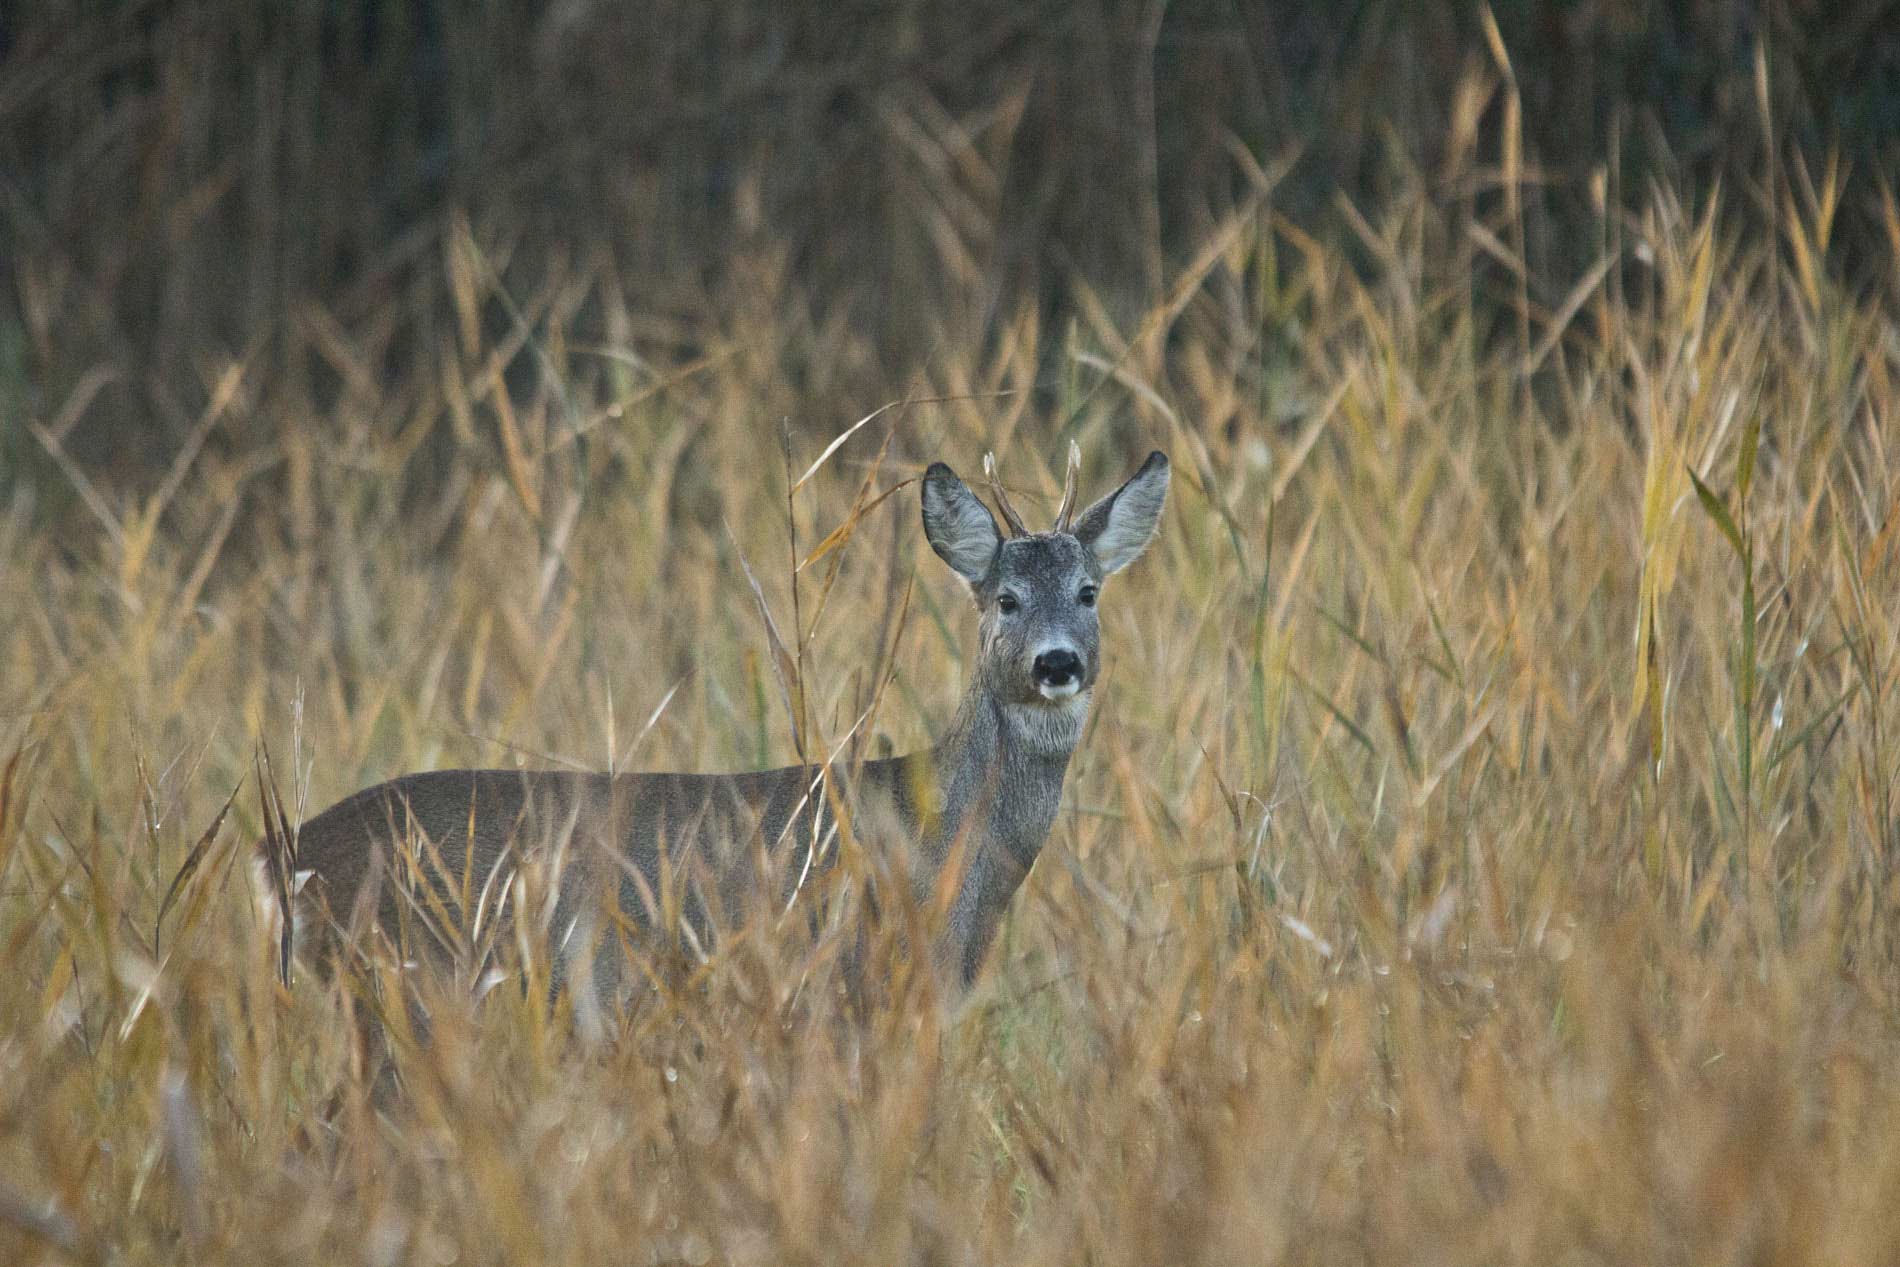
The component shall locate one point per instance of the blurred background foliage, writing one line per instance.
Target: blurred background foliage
(187, 184)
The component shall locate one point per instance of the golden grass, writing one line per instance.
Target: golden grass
(1482, 850)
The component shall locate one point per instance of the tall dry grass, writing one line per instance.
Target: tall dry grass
(1482, 850)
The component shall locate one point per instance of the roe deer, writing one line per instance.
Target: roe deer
(682, 852)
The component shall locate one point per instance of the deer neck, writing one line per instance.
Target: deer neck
(997, 780)
(1000, 768)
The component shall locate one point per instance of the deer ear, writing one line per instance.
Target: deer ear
(957, 525)
(1120, 526)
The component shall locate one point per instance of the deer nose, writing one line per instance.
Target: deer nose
(1056, 668)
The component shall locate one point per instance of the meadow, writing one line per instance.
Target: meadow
(1482, 850)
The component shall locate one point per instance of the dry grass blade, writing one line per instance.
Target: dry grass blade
(837, 537)
(88, 494)
(12, 809)
(193, 860)
(521, 475)
(148, 795)
(280, 855)
(838, 441)
(1567, 312)
(623, 757)
(784, 666)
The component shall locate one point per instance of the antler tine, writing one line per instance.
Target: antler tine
(1010, 517)
(1066, 512)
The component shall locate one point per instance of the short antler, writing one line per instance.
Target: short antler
(1065, 514)
(1010, 517)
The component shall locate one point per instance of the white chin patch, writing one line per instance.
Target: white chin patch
(1052, 728)
(1067, 690)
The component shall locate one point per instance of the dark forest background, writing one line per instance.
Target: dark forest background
(190, 183)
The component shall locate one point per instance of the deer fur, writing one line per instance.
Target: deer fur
(967, 816)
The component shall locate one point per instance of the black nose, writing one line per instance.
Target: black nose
(1055, 668)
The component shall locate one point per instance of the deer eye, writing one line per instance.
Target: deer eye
(1087, 596)
(1006, 603)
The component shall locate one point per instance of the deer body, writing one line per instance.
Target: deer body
(965, 818)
